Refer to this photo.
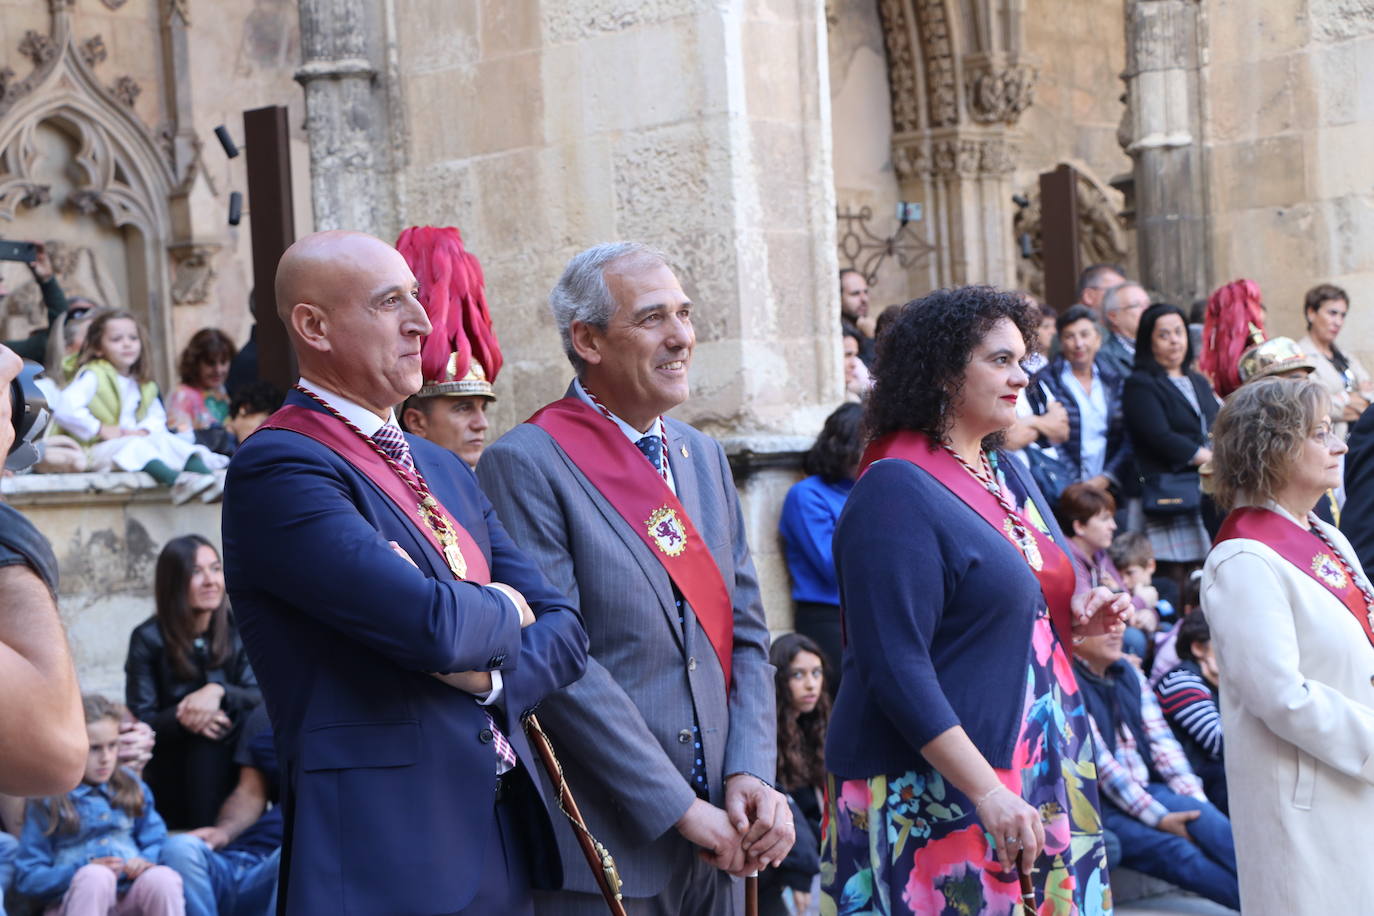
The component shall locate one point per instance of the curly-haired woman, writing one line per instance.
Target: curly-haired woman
(957, 754)
(1292, 619)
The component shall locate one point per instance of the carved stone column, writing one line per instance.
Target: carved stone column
(954, 143)
(1162, 133)
(347, 115)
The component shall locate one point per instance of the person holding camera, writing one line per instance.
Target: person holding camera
(42, 728)
(35, 346)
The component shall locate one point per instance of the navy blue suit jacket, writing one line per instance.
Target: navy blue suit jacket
(388, 774)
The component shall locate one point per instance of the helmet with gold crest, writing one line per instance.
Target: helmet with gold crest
(461, 356)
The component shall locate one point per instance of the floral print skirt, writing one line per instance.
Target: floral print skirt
(911, 843)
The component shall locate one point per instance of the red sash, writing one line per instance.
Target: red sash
(328, 431)
(1056, 576)
(1303, 549)
(617, 469)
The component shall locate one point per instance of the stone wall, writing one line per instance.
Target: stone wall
(1288, 94)
(701, 128)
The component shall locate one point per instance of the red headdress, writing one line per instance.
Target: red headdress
(461, 356)
(1234, 323)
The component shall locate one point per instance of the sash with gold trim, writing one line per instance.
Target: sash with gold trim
(345, 443)
(1055, 575)
(617, 469)
(1303, 549)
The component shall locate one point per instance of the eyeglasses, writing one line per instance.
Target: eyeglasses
(1326, 437)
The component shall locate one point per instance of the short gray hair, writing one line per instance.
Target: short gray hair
(582, 293)
(1111, 299)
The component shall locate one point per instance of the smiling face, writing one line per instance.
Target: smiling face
(1326, 321)
(206, 589)
(104, 751)
(638, 365)
(213, 374)
(120, 344)
(805, 681)
(992, 380)
(1169, 343)
(1079, 342)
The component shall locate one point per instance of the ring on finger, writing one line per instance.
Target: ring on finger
(1013, 840)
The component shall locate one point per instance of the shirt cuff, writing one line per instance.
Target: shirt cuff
(1153, 814)
(493, 696)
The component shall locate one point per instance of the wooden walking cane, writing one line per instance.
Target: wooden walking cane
(751, 895)
(599, 859)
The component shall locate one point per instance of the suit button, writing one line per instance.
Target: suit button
(484, 736)
(692, 663)
(494, 661)
(684, 736)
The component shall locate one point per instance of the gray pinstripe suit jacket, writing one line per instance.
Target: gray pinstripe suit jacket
(623, 730)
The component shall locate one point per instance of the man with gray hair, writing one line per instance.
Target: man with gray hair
(1122, 306)
(669, 738)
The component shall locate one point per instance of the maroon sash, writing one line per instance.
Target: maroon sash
(1056, 576)
(1303, 549)
(328, 431)
(618, 471)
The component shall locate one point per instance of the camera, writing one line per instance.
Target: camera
(29, 414)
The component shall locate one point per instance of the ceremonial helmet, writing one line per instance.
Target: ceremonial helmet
(461, 356)
(1276, 356)
(1233, 322)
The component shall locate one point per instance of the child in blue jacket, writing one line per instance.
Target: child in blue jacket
(92, 851)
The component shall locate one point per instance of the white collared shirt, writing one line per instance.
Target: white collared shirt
(1092, 419)
(369, 423)
(631, 433)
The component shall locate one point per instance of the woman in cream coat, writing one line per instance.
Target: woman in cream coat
(1290, 611)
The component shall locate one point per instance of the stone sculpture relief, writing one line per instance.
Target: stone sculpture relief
(1101, 230)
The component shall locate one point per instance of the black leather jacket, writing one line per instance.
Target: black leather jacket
(152, 689)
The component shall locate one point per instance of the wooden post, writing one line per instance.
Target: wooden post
(1059, 235)
(272, 225)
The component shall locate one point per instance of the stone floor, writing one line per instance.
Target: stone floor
(1172, 904)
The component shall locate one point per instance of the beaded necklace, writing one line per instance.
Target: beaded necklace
(1345, 566)
(1013, 525)
(429, 510)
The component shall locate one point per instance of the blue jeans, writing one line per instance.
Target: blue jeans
(1206, 865)
(9, 848)
(231, 883)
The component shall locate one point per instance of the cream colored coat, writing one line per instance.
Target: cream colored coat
(1297, 707)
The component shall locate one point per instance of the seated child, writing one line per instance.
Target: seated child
(91, 852)
(114, 410)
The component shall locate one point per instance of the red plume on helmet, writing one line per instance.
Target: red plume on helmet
(453, 294)
(1234, 323)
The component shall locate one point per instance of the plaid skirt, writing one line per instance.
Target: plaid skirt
(1178, 538)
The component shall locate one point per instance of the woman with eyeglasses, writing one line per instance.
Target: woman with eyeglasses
(1292, 619)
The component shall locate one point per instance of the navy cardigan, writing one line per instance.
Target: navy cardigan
(938, 607)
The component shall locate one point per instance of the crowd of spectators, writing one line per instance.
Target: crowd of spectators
(111, 415)
(189, 751)
(1115, 427)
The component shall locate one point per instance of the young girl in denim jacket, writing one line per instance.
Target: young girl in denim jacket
(92, 851)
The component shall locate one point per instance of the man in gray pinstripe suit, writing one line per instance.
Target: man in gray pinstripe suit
(669, 738)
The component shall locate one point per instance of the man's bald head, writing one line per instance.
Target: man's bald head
(348, 301)
(316, 269)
